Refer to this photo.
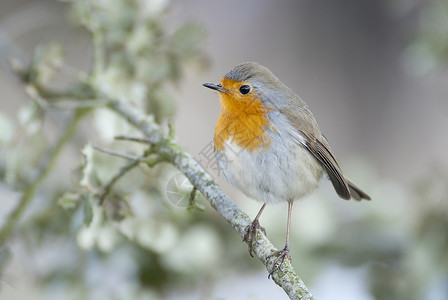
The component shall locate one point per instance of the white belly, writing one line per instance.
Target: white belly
(286, 171)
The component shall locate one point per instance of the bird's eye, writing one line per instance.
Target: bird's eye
(244, 89)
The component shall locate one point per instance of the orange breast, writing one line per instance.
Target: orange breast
(242, 120)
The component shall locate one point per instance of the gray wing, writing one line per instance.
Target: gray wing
(321, 151)
(302, 120)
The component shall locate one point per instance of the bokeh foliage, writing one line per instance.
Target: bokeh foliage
(132, 242)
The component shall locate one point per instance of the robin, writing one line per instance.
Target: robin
(267, 143)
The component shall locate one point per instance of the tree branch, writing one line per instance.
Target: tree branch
(173, 152)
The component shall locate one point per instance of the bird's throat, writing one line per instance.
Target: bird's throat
(243, 123)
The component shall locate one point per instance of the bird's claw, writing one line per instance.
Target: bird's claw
(251, 234)
(281, 255)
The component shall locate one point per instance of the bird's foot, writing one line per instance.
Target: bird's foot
(251, 234)
(281, 256)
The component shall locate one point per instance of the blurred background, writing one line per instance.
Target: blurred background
(375, 75)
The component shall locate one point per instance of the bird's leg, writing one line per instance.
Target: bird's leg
(284, 253)
(251, 231)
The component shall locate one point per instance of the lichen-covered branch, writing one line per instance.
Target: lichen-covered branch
(172, 152)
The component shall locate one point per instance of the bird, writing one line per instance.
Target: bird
(267, 143)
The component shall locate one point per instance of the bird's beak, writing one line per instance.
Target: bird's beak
(216, 87)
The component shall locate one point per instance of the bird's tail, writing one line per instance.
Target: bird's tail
(356, 191)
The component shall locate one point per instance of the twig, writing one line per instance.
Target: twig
(192, 204)
(133, 139)
(118, 154)
(108, 186)
(135, 161)
(171, 129)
